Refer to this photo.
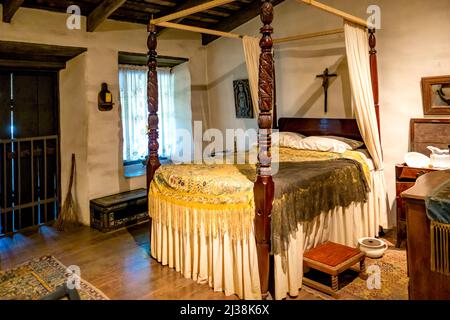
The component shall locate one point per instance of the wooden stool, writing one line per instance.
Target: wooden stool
(333, 259)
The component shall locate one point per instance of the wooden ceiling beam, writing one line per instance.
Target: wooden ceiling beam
(102, 12)
(35, 55)
(10, 8)
(244, 15)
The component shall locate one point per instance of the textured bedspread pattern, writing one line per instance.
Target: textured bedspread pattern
(219, 198)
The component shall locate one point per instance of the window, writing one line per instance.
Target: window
(172, 91)
(133, 100)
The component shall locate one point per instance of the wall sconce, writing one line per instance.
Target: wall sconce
(105, 99)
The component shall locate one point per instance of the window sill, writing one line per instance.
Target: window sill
(139, 170)
(134, 170)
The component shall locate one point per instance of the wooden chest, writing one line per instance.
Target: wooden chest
(119, 210)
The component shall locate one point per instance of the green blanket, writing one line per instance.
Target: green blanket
(304, 190)
(438, 204)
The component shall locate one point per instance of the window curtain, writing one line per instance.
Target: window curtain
(251, 53)
(166, 113)
(184, 144)
(133, 100)
(357, 47)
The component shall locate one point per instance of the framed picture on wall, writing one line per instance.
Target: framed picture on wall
(243, 99)
(436, 95)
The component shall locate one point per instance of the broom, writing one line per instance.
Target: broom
(68, 217)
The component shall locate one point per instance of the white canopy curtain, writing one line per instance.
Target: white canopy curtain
(251, 53)
(356, 41)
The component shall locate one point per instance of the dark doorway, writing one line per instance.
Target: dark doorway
(29, 149)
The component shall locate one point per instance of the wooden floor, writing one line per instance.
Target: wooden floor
(117, 263)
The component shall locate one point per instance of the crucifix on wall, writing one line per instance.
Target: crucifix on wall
(325, 84)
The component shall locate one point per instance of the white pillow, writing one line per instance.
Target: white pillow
(286, 139)
(317, 143)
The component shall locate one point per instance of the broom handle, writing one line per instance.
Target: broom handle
(72, 172)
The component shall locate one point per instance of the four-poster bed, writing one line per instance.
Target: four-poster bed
(264, 187)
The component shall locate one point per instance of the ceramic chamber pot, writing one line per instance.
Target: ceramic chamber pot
(373, 247)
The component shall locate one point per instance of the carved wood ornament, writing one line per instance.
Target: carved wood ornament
(264, 186)
(374, 75)
(152, 86)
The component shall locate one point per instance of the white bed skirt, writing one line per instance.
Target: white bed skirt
(231, 266)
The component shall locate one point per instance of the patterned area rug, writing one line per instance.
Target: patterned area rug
(391, 270)
(393, 276)
(36, 278)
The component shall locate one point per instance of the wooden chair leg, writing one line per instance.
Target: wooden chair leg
(334, 283)
(362, 270)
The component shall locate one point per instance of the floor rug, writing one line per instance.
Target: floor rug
(388, 280)
(392, 283)
(38, 277)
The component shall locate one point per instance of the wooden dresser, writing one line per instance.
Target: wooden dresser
(405, 178)
(424, 284)
(423, 133)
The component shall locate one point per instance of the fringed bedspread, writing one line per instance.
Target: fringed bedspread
(220, 197)
(438, 211)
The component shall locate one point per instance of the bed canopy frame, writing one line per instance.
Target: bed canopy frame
(264, 186)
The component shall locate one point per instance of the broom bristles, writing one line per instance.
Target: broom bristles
(68, 217)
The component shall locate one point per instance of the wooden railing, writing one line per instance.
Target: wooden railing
(29, 176)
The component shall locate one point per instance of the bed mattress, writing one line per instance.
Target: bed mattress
(221, 197)
(225, 184)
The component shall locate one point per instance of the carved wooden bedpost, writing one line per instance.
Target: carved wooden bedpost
(374, 75)
(152, 100)
(264, 186)
(152, 104)
(275, 107)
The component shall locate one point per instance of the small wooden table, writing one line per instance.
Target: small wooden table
(333, 259)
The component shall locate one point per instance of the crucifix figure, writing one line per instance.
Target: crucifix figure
(325, 83)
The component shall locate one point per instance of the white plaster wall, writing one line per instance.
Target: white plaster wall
(96, 136)
(412, 43)
(74, 134)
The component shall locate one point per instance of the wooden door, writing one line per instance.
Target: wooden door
(29, 149)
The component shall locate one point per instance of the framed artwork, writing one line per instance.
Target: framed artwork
(243, 99)
(436, 95)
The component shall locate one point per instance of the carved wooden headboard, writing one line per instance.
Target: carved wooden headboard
(347, 128)
(429, 132)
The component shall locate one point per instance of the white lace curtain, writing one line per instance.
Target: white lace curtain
(166, 112)
(133, 99)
